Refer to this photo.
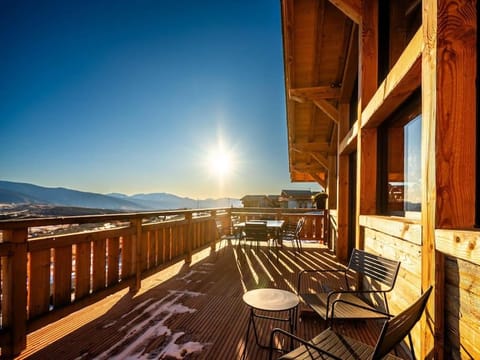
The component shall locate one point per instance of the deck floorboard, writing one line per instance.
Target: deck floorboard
(187, 311)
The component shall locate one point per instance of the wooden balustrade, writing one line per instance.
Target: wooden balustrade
(63, 268)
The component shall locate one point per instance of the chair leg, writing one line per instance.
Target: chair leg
(411, 346)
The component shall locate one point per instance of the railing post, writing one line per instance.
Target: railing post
(213, 242)
(278, 214)
(326, 223)
(189, 239)
(14, 297)
(229, 219)
(137, 259)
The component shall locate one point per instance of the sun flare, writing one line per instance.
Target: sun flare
(220, 163)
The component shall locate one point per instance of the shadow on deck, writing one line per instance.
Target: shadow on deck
(186, 311)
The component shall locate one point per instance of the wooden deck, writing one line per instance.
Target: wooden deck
(186, 311)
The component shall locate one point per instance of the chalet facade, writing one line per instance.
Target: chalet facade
(260, 201)
(296, 199)
(382, 112)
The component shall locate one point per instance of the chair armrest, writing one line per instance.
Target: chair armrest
(358, 306)
(299, 277)
(304, 342)
(336, 292)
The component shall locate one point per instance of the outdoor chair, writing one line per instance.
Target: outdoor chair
(292, 233)
(347, 302)
(330, 344)
(255, 231)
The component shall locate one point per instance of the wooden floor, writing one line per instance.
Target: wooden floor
(191, 312)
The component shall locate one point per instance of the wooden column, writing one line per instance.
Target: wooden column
(341, 247)
(367, 138)
(433, 318)
(448, 144)
(14, 297)
(332, 182)
(456, 114)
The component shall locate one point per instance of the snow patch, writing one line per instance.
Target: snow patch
(143, 338)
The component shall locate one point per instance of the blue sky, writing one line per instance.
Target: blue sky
(139, 96)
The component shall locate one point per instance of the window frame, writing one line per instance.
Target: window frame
(405, 114)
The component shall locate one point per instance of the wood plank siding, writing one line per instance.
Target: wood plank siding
(407, 51)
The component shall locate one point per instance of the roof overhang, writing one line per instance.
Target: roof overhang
(320, 59)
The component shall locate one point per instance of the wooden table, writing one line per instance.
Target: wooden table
(274, 301)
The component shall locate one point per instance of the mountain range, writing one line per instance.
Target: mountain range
(24, 193)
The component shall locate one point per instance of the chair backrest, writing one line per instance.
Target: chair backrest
(256, 230)
(299, 227)
(374, 266)
(398, 327)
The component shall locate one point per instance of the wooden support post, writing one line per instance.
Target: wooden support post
(343, 181)
(332, 182)
(137, 250)
(341, 247)
(14, 297)
(367, 138)
(189, 239)
(449, 121)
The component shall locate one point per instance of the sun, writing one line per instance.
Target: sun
(220, 163)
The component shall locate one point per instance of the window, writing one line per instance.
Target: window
(400, 161)
(398, 21)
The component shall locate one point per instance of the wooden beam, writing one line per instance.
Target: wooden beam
(329, 110)
(299, 146)
(315, 92)
(308, 167)
(349, 143)
(462, 244)
(303, 176)
(401, 82)
(350, 70)
(351, 8)
(368, 64)
(322, 160)
(321, 181)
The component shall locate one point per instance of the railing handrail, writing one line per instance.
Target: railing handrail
(11, 224)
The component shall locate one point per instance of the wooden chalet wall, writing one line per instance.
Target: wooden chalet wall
(442, 247)
(441, 60)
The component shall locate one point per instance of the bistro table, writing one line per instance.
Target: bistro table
(271, 224)
(272, 301)
(275, 227)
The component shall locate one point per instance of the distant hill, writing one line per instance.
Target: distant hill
(24, 193)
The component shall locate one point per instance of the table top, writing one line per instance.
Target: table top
(270, 299)
(270, 223)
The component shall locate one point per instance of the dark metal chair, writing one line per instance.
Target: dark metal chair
(255, 231)
(332, 345)
(349, 302)
(292, 233)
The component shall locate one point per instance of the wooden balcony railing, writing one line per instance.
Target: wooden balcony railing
(52, 263)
